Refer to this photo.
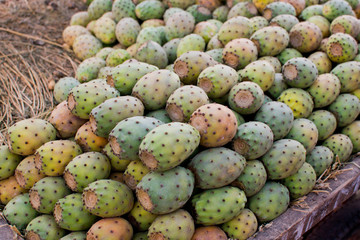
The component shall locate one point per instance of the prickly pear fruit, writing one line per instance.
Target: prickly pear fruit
(27, 174)
(279, 85)
(287, 54)
(246, 97)
(300, 101)
(258, 22)
(299, 72)
(127, 30)
(63, 87)
(349, 75)
(305, 37)
(153, 23)
(353, 132)
(108, 198)
(221, 13)
(263, 78)
(75, 236)
(104, 30)
(271, 40)
(320, 158)
(89, 69)
(238, 53)
(117, 176)
(117, 57)
(25, 136)
(272, 200)
(88, 140)
(340, 145)
(345, 24)
(110, 229)
(209, 233)
(236, 27)
(98, 7)
(346, 108)
(179, 24)
(199, 12)
(341, 47)
(140, 218)
(80, 18)
(242, 226)
(322, 23)
(206, 30)
(278, 8)
(86, 46)
(165, 192)
(191, 42)
(9, 188)
(123, 8)
(134, 172)
(325, 122)
(44, 227)
(334, 8)
(285, 21)
(152, 53)
(70, 33)
(160, 115)
(245, 9)
(8, 162)
(324, 90)
(305, 132)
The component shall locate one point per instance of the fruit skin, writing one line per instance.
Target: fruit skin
(101, 198)
(325, 122)
(274, 61)
(179, 25)
(325, 90)
(151, 33)
(124, 76)
(46, 192)
(184, 101)
(310, 11)
(140, 218)
(98, 7)
(305, 37)
(8, 162)
(182, 4)
(75, 236)
(245, 9)
(349, 75)
(110, 229)
(217, 80)
(258, 22)
(227, 31)
(214, 43)
(298, 100)
(264, 79)
(216, 167)
(279, 85)
(191, 42)
(134, 172)
(334, 8)
(18, 211)
(70, 33)
(322, 62)
(341, 47)
(345, 24)
(183, 139)
(25, 136)
(285, 21)
(85, 169)
(86, 46)
(253, 139)
(299, 72)
(302, 182)
(70, 214)
(178, 188)
(353, 132)
(104, 30)
(9, 188)
(209, 208)
(116, 57)
(320, 158)
(340, 145)
(44, 227)
(216, 54)
(124, 144)
(346, 108)
(182, 226)
(238, 53)
(322, 23)
(152, 53)
(52, 157)
(171, 49)
(206, 30)
(160, 115)
(272, 200)
(153, 23)
(189, 66)
(127, 30)
(199, 12)
(284, 159)
(104, 117)
(242, 226)
(209, 233)
(261, 4)
(278, 8)
(80, 18)
(26, 173)
(278, 116)
(88, 140)
(161, 81)
(63, 87)
(214, 133)
(122, 9)
(149, 10)
(270, 41)
(305, 132)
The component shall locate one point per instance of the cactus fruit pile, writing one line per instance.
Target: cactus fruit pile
(187, 119)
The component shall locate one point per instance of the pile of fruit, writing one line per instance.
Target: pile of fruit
(187, 119)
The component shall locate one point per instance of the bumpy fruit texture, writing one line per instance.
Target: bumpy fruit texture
(320, 158)
(189, 65)
(221, 13)
(218, 205)
(278, 116)
(349, 75)
(214, 133)
(322, 23)
(179, 25)
(341, 47)
(104, 72)
(26, 173)
(274, 61)
(44, 227)
(18, 211)
(263, 78)
(209, 233)
(272, 200)
(98, 7)
(285, 158)
(340, 145)
(346, 108)
(353, 132)
(335, 8)
(305, 132)
(345, 24)
(206, 30)
(9, 188)
(52, 157)
(245, 9)
(127, 30)
(8, 162)
(117, 176)
(102, 198)
(216, 54)
(161, 81)
(85, 169)
(236, 27)
(46, 192)
(258, 23)
(124, 76)
(299, 72)
(104, 30)
(238, 53)
(305, 37)
(182, 226)
(25, 136)
(325, 122)
(278, 8)
(70, 33)
(149, 10)
(80, 18)
(310, 11)
(127, 135)
(321, 61)
(261, 4)
(122, 9)
(151, 34)
(171, 49)
(182, 4)
(299, 5)
(270, 41)
(88, 140)
(192, 42)
(75, 236)
(242, 226)
(140, 218)
(152, 53)
(134, 172)
(246, 97)
(184, 101)
(165, 192)
(110, 229)
(116, 57)
(160, 115)
(153, 23)
(63, 87)
(216, 167)
(302, 182)
(86, 46)
(279, 85)
(70, 213)
(287, 54)
(214, 43)
(325, 90)
(298, 100)
(253, 139)
(217, 80)
(285, 21)
(199, 12)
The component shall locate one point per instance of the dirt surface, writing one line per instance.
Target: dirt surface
(31, 56)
